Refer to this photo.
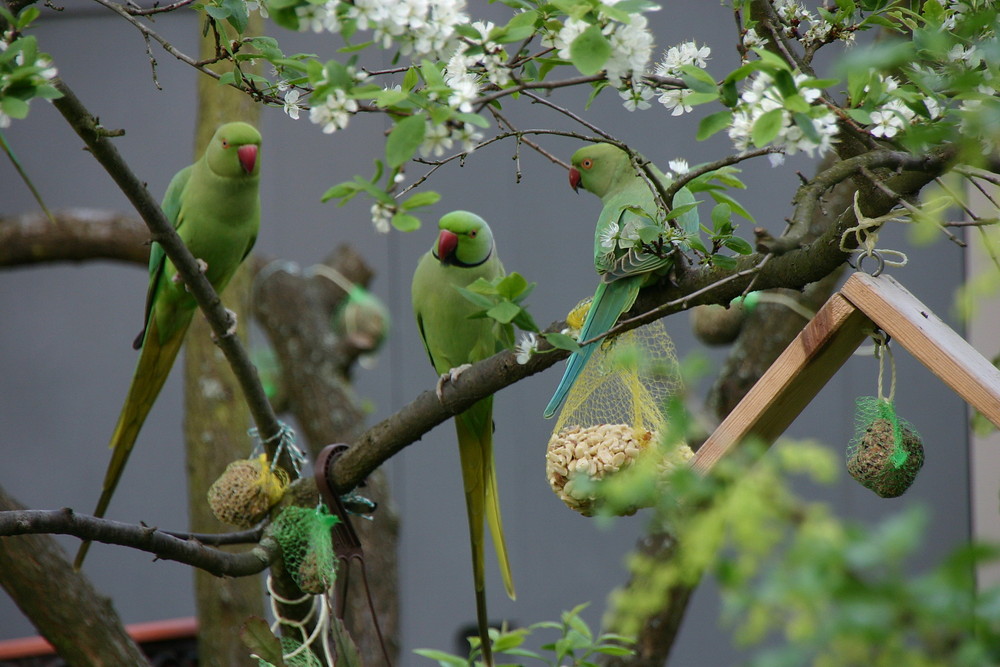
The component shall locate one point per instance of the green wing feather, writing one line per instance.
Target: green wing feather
(215, 208)
(451, 339)
(628, 201)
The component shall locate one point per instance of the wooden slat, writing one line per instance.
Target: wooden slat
(913, 326)
(792, 381)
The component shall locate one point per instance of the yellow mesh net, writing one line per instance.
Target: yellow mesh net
(613, 414)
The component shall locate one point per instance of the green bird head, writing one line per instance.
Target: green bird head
(234, 151)
(464, 240)
(600, 169)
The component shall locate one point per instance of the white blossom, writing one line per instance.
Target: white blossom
(751, 40)
(381, 216)
(890, 119)
(49, 70)
(674, 99)
(334, 112)
(561, 41)
(608, 237)
(636, 97)
(631, 48)
(258, 5)
(319, 18)
(423, 28)
(762, 96)
(527, 346)
(4, 120)
(679, 166)
(291, 104)
(437, 140)
(685, 53)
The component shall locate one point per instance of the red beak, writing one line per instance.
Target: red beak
(447, 242)
(574, 178)
(248, 157)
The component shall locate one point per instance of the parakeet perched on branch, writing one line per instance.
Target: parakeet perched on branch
(215, 207)
(623, 260)
(463, 252)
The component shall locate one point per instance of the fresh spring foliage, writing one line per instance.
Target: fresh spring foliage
(25, 72)
(501, 299)
(835, 592)
(930, 79)
(575, 646)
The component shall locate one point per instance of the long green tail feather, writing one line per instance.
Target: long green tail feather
(155, 361)
(610, 301)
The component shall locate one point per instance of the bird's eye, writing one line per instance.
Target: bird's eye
(225, 144)
(587, 164)
(472, 234)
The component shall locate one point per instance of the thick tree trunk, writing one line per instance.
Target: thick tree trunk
(216, 417)
(82, 625)
(295, 310)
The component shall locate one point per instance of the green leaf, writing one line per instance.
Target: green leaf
(390, 97)
(712, 123)
(723, 262)
(239, 15)
(723, 197)
(519, 28)
(218, 13)
(562, 341)
(504, 312)
(514, 285)
(442, 658)
(590, 50)
(698, 80)
(346, 189)
(410, 79)
(476, 298)
(405, 222)
(860, 115)
(405, 139)
(525, 321)
(805, 124)
(766, 128)
(418, 199)
(722, 217)
(738, 245)
(257, 636)
(14, 107)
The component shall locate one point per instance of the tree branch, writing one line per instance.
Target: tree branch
(75, 235)
(144, 538)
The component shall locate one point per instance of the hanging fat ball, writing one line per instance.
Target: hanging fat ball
(362, 319)
(577, 457)
(245, 492)
(306, 548)
(886, 460)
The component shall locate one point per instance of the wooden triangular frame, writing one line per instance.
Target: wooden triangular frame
(841, 325)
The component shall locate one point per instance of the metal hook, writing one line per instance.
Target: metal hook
(879, 266)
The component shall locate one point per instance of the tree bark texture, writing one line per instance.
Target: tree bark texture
(295, 307)
(82, 625)
(216, 417)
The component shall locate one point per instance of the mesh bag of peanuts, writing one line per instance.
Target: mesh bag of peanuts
(612, 418)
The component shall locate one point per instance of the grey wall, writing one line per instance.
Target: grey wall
(65, 359)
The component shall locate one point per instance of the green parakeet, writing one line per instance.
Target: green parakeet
(619, 257)
(463, 252)
(215, 207)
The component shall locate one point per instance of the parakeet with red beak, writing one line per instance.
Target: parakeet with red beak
(215, 207)
(620, 259)
(463, 252)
